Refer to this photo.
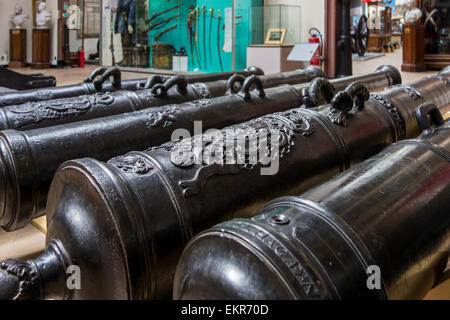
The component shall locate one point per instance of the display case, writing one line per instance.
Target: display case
(274, 31)
(437, 32)
(180, 35)
(279, 22)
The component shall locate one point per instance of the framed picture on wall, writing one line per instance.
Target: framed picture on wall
(275, 36)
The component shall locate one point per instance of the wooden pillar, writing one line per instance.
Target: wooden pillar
(332, 32)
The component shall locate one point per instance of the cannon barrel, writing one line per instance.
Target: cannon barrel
(29, 159)
(388, 217)
(158, 92)
(124, 223)
(99, 82)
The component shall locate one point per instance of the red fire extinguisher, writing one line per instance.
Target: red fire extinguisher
(316, 37)
(81, 58)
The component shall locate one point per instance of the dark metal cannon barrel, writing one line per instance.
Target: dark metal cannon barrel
(98, 81)
(155, 92)
(28, 159)
(387, 217)
(125, 223)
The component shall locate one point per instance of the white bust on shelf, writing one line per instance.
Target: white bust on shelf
(42, 16)
(413, 14)
(18, 18)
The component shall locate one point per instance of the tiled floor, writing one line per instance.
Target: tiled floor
(394, 59)
(13, 245)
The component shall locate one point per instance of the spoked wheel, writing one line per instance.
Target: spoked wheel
(361, 36)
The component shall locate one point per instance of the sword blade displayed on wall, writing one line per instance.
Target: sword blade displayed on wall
(164, 32)
(196, 19)
(155, 15)
(191, 35)
(210, 34)
(111, 47)
(204, 34)
(218, 39)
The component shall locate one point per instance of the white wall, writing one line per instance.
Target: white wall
(7, 10)
(313, 14)
(90, 44)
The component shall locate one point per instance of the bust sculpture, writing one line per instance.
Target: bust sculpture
(413, 14)
(18, 18)
(42, 16)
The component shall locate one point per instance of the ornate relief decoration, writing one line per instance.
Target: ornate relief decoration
(131, 163)
(28, 276)
(163, 118)
(444, 79)
(44, 95)
(202, 90)
(411, 91)
(394, 111)
(237, 148)
(202, 102)
(35, 112)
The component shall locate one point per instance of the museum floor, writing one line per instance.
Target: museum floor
(29, 242)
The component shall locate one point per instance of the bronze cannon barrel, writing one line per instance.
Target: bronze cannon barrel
(28, 159)
(125, 223)
(380, 230)
(156, 92)
(98, 82)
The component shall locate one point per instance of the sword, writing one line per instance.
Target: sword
(196, 14)
(204, 33)
(191, 36)
(218, 39)
(111, 47)
(210, 34)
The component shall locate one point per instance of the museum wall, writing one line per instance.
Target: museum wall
(313, 13)
(6, 11)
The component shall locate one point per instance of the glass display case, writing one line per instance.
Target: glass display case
(274, 30)
(437, 32)
(275, 24)
(180, 35)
